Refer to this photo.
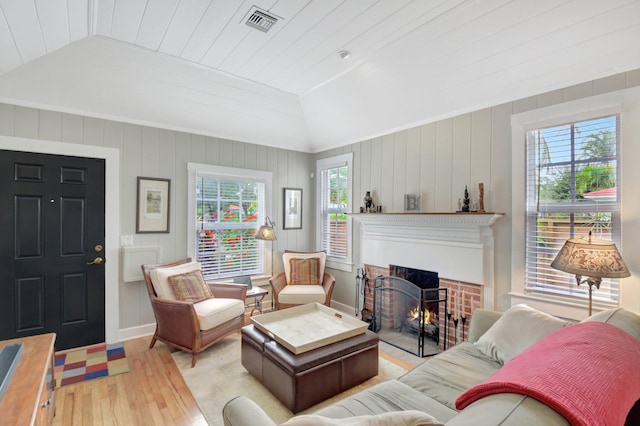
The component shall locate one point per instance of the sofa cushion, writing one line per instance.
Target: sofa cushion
(508, 409)
(213, 312)
(399, 418)
(190, 287)
(518, 328)
(565, 368)
(287, 255)
(160, 278)
(305, 271)
(384, 397)
(445, 376)
(620, 317)
(301, 294)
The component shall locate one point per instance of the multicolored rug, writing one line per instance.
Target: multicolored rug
(89, 363)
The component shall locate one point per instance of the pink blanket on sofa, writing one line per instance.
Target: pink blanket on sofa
(587, 372)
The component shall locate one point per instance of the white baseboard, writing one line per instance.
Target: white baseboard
(135, 332)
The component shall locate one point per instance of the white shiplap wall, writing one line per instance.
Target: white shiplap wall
(435, 160)
(148, 151)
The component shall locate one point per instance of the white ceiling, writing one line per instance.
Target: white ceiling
(193, 65)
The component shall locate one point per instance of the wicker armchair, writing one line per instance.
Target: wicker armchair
(193, 327)
(286, 293)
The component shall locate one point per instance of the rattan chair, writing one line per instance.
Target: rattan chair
(179, 323)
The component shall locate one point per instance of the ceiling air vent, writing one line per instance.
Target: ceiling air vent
(260, 19)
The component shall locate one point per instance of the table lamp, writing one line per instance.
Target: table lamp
(591, 258)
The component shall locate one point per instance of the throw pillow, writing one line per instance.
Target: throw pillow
(620, 317)
(400, 418)
(160, 277)
(305, 271)
(190, 287)
(518, 328)
(288, 255)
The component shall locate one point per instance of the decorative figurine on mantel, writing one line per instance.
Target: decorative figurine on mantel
(369, 206)
(481, 190)
(465, 201)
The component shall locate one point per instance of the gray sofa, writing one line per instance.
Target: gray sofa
(434, 386)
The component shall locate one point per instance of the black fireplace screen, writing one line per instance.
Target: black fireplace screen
(407, 316)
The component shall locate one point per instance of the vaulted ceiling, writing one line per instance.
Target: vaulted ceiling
(194, 65)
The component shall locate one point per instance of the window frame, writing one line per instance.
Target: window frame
(537, 207)
(333, 262)
(194, 169)
(573, 111)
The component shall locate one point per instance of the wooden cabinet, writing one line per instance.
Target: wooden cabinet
(29, 398)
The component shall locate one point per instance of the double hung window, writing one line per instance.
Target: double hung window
(229, 206)
(572, 178)
(334, 226)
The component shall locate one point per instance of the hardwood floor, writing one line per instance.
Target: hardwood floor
(152, 393)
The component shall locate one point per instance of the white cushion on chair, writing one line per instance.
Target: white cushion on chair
(160, 278)
(213, 312)
(298, 255)
(301, 294)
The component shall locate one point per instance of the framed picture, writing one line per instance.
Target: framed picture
(292, 208)
(152, 206)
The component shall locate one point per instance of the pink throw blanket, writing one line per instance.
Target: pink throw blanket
(587, 372)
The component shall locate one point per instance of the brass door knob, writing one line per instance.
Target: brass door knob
(96, 261)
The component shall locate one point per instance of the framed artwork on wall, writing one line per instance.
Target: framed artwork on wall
(152, 205)
(292, 208)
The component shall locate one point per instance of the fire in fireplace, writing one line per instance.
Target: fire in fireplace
(429, 321)
(406, 310)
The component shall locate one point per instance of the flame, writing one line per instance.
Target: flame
(426, 316)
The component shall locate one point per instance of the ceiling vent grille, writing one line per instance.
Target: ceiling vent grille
(260, 19)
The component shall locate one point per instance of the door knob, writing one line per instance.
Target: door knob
(96, 261)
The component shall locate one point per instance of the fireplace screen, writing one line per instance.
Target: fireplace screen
(407, 316)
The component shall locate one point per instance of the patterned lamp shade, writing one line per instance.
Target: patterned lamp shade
(592, 258)
(266, 231)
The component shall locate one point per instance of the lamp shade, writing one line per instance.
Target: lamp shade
(591, 258)
(266, 231)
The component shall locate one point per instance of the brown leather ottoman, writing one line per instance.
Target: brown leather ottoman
(300, 381)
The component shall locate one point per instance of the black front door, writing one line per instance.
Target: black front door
(51, 248)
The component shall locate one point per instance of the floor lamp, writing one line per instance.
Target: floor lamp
(595, 259)
(267, 233)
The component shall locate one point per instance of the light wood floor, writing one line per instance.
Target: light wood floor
(152, 393)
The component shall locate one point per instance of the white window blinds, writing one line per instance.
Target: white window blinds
(228, 214)
(572, 179)
(334, 202)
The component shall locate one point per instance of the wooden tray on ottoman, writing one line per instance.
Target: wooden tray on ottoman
(307, 327)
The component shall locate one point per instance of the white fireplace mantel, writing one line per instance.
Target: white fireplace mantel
(459, 246)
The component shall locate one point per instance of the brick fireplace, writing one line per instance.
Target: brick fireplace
(459, 247)
(453, 333)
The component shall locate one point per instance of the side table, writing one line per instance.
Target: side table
(258, 294)
(29, 396)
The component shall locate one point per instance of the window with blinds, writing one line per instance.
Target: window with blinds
(334, 200)
(334, 211)
(228, 214)
(572, 178)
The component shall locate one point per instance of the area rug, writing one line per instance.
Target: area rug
(89, 363)
(219, 377)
